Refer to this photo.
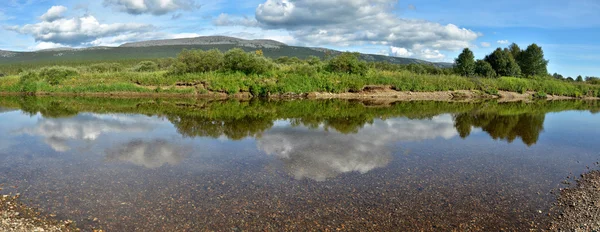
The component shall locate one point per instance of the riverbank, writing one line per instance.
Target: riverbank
(371, 93)
(17, 217)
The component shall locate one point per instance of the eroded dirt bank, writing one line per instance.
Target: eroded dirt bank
(380, 93)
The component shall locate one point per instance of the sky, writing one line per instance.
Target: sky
(433, 30)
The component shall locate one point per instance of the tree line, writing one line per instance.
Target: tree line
(511, 61)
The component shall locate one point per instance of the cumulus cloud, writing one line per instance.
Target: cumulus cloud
(54, 13)
(400, 52)
(320, 155)
(45, 45)
(154, 7)
(57, 132)
(502, 41)
(75, 31)
(149, 154)
(336, 22)
(228, 20)
(485, 44)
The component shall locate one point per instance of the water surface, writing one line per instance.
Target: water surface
(192, 165)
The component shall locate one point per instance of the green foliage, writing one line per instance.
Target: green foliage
(503, 63)
(349, 63)
(105, 67)
(515, 51)
(464, 65)
(484, 69)
(491, 91)
(579, 79)
(146, 66)
(248, 63)
(533, 62)
(540, 94)
(593, 80)
(196, 61)
(55, 75)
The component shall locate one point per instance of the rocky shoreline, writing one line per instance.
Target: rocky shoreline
(17, 217)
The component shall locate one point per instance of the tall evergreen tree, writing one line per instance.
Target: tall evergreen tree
(533, 62)
(503, 63)
(464, 65)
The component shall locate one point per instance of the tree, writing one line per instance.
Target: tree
(558, 76)
(484, 69)
(533, 62)
(464, 65)
(348, 62)
(515, 51)
(579, 79)
(503, 63)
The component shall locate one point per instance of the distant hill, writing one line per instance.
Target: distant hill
(170, 48)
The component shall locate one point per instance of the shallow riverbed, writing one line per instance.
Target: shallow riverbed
(191, 165)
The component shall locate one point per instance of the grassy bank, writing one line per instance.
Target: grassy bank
(210, 72)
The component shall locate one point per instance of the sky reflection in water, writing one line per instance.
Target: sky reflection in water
(455, 153)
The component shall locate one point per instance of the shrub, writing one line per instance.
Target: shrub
(304, 69)
(55, 75)
(484, 69)
(540, 94)
(146, 66)
(238, 60)
(197, 61)
(348, 62)
(491, 91)
(105, 67)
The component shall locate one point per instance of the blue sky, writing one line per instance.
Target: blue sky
(433, 30)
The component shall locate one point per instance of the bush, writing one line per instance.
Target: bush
(197, 61)
(540, 94)
(105, 67)
(55, 75)
(484, 69)
(491, 91)
(238, 60)
(304, 69)
(146, 66)
(349, 63)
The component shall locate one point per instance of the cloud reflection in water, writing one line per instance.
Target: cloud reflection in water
(150, 154)
(58, 131)
(320, 155)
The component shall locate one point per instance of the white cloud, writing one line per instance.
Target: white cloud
(430, 54)
(346, 23)
(76, 31)
(502, 41)
(400, 52)
(228, 20)
(485, 44)
(320, 155)
(45, 45)
(155, 7)
(135, 37)
(54, 13)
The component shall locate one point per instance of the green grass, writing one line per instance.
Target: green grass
(293, 76)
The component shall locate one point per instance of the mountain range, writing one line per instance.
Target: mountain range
(171, 47)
